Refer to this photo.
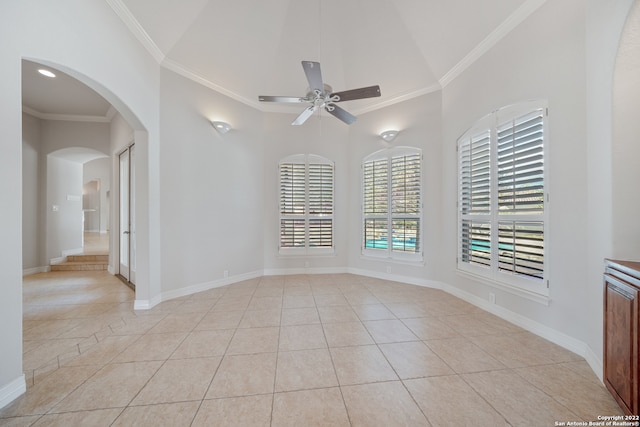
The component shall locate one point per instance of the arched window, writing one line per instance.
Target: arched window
(392, 204)
(306, 204)
(502, 197)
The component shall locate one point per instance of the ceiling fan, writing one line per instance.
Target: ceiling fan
(321, 95)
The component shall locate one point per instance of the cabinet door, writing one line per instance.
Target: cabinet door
(621, 342)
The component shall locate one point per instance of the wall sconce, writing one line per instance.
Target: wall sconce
(221, 127)
(389, 135)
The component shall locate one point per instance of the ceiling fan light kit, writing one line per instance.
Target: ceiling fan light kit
(321, 96)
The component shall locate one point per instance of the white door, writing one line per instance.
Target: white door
(127, 215)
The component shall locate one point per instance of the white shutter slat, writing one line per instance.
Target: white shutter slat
(521, 248)
(475, 178)
(476, 242)
(521, 165)
(306, 203)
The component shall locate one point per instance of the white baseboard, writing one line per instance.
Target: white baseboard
(546, 332)
(68, 252)
(572, 344)
(194, 289)
(295, 271)
(397, 278)
(12, 391)
(36, 270)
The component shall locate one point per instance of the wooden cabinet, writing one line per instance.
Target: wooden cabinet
(621, 332)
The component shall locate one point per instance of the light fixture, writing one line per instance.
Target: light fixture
(47, 73)
(389, 135)
(221, 127)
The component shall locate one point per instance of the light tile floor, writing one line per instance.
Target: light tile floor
(294, 350)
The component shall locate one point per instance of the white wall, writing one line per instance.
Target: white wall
(33, 182)
(604, 21)
(212, 201)
(88, 41)
(551, 65)
(63, 207)
(100, 170)
(626, 142)
(60, 134)
(321, 135)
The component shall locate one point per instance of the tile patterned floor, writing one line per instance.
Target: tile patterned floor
(288, 351)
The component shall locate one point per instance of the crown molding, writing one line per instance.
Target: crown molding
(397, 99)
(138, 31)
(178, 68)
(66, 117)
(508, 25)
(515, 19)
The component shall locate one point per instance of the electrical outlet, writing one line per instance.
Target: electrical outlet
(388, 269)
(306, 264)
(226, 273)
(492, 298)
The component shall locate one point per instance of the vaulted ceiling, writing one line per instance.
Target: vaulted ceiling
(246, 48)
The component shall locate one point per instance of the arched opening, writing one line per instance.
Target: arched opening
(71, 123)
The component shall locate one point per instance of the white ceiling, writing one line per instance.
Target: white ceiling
(247, 48)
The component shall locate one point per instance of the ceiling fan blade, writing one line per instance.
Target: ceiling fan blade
(314, 75)
(308, 112)
(264, 98)
(364, 92)
(341, 113)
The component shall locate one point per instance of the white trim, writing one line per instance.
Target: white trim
(136, 29)
(66, 117)
(514, 290)
(296, 271)
(76, 251)
(36, 270)
(11, 391)
(193, 289)
(397, 99)
(508, 25)
(396, 278)
(201, 287)
(57, 260)
(180, 69)
(572, 344)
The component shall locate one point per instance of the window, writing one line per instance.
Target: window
(501, 202)
(392, 205)
(306, 205)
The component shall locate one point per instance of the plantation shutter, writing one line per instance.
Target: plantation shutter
(502, 197)
(405, 202)
(320, 205)
(520, 161)
(292, 204)
(392, 203)
(475, 198)
(475, 177)
(376, 204)
(306, 202)
(521, 165)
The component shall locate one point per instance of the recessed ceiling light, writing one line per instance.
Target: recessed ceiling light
(46, 73)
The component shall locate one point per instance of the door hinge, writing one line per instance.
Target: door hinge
(547, 283)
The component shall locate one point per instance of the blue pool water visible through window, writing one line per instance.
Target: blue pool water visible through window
(397, 244)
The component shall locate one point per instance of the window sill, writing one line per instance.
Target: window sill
(523, 293)
(418, 262)
(307, 254)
